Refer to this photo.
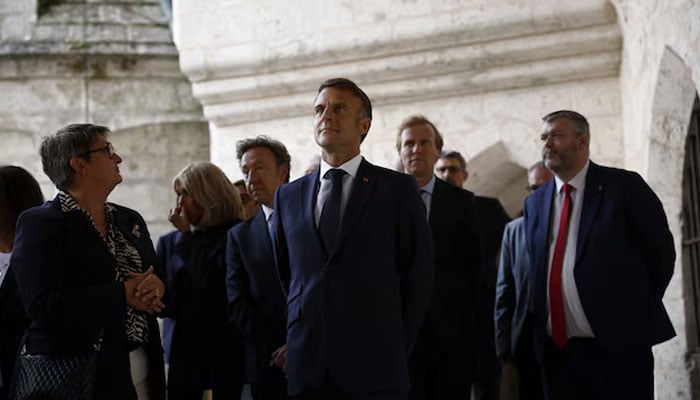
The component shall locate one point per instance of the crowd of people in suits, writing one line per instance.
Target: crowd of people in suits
(351, 282)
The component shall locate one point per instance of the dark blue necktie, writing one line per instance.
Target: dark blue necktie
(330, 215)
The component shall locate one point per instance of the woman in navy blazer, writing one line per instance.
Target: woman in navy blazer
(205, 350)
(18, 192)
(85, 268)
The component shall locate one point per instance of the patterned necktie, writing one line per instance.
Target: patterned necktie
(330, 215)
(556, 301)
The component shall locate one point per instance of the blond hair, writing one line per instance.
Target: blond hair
(211, 189)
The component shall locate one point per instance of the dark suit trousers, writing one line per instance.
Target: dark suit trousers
(584, 371)
(223, 384)
(529, 379)
(273, 387)
(436, 375)
(331, 391)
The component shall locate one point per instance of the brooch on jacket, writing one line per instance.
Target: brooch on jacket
(136, 231)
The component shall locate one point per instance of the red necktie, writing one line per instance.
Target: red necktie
(556, 302)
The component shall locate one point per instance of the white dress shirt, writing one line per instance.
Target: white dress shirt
(350, 167)
(576, 322)
(268, 214)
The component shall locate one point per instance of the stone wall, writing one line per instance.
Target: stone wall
(484, 73)
(660, 78)
(107, 62)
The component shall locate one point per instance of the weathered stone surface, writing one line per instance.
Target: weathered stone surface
(94, 27)
(153, 155)
(111, 63)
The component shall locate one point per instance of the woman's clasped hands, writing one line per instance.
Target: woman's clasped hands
(144, 291)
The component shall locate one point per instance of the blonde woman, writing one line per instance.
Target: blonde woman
(205, 350)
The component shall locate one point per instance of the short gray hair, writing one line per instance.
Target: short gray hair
(70, 141)
(579, 121)
(457, 156)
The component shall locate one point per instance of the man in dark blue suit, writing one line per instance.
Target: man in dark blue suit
(444, 358)
(354, 251)
(512, 320)
(602, 257)
(255, 297)
(491, 220)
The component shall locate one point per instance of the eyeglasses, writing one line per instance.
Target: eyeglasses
(451, 168)
(556, 136)
(109, 149)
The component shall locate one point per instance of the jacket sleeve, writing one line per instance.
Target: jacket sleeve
(505, 296)
(648, 220)
(38, 263)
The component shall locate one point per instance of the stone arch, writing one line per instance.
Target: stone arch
(672, 103)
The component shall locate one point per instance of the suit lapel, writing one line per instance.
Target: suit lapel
(437, 206)
(539, 232)
(307, 198)
(259, 231)
(89, 238)
(360, 194)
(593, 193)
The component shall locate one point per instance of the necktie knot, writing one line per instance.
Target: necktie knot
(567, 188)
(334, 174)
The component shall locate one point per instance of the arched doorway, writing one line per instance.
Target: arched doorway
(691, 245)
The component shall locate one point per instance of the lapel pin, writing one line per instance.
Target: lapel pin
(136, 231)
(364, 179)
(600, 188)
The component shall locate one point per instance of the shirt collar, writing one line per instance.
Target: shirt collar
(68, 203)
(429, 186)
(578, 182)
(350, 167)
(267, 211)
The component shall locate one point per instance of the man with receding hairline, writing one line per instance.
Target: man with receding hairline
(444, 359)
(602, 256)
(352, 254)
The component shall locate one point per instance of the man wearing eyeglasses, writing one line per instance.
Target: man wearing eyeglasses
(451, 167)
(602, 256)
(512, 320)
(491, 220)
